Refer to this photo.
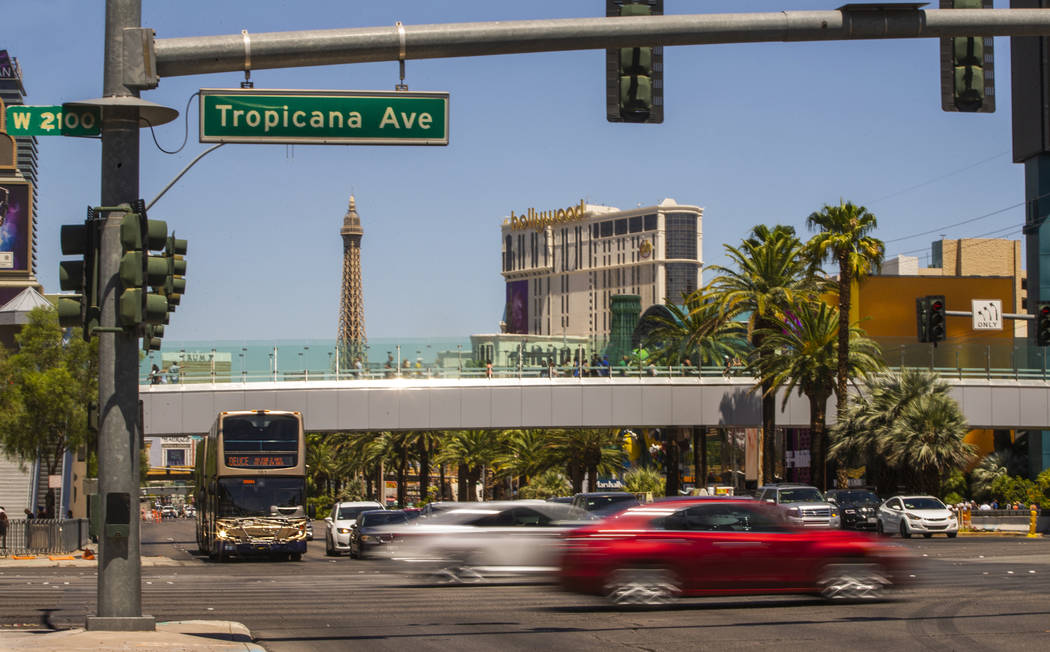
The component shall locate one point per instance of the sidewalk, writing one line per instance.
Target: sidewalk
(75, 559)
(189, 635)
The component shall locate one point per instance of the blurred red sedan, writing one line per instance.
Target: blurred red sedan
(651, 554)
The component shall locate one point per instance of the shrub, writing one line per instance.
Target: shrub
(548, 484)
(953, 498)
(645, 480)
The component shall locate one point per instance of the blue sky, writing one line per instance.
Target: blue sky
(754, 133)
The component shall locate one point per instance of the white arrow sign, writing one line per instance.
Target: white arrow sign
(987, 314)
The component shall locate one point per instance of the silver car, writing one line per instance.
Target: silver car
(803, 505)
(474, 541)
(339, 522)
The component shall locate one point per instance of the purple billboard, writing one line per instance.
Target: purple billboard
(15, 226)
(518, 307)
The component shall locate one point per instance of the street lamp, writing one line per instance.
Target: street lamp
(244, 367)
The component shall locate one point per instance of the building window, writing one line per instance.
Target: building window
(620, 227)
(636, 224)
(606, 229)
(681, 236)
(681, 280)
(650, 222)
(508, 254)
(175, 457)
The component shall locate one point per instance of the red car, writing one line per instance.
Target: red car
(651, 554)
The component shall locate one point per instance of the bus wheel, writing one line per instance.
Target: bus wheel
(220, 553)
(296, 556)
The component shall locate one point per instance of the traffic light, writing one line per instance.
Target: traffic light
(80, 276)
(634, 77)
(175, 271)
(1042, 324)
(936, 316)
(967, 67)
(140, 272)
(922, 318)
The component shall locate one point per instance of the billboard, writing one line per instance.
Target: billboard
(518, 306)
(16, 226)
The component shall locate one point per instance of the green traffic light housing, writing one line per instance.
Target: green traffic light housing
(967, 67)
(634, 76)
(79, 276)
(140, 273)
(1042, 324)
(936, 329)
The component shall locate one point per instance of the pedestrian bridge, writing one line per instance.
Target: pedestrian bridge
(421, 403)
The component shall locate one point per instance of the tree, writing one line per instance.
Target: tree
(696, 332)
(801, 352)
(526, 453)
(470, 451)
(48, 383)
(844, 237)
(911, 423)
(771, 272)
(590, 452)
(548, 484)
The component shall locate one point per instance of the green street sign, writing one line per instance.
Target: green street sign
(81, 120)
(323, 117)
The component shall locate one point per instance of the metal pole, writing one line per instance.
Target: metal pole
(120, 572)
(209, 54)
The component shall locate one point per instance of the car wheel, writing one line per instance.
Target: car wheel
(353, 553)
(927, 535)
(328, 548)
(879, 529)
(952, 535)
(642, 586)
(220, 553)
(296, 556)
(905, 534)
(852, 581)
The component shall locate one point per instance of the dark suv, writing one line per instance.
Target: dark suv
(857, 507)
(803, 505)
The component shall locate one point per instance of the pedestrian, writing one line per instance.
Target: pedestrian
(488, 370)
(3, 530)
(173, 372)
(357, 367)
(154, 375)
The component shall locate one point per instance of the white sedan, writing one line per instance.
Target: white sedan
(910, 515)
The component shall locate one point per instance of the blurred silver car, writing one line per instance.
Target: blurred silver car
(474, 541)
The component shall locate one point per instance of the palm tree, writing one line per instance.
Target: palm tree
(801, 352)
(471, 451)
(696, 332)
(526, 453)
(909, 425)
(844, 237)
(589, 452)
(771, 273)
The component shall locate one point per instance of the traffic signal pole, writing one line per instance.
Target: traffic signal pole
(119, 431)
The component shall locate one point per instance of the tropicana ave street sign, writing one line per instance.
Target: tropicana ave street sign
(323, 117)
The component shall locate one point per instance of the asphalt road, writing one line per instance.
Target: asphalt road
(972, 593)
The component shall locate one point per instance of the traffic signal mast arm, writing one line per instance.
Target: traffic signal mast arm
(195, 55)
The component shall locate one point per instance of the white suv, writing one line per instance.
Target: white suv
(803, 505)
(338, 523)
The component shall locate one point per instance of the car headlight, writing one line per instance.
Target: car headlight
(914, 517)
(846, 511)
(343, 530)
(794, 511)
(366, 538)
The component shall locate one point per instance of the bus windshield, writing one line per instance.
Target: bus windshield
(256, 433)
(261, 496)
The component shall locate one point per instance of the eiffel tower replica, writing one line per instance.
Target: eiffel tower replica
(351, 340)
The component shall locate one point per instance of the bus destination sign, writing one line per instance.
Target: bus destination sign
(260, 461)
(320, 117)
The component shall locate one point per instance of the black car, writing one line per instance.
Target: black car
(857, 507)
(604, 503)
(368, 533)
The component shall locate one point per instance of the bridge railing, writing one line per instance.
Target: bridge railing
(1005, 359)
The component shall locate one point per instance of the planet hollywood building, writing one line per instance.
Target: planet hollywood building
(563, 265)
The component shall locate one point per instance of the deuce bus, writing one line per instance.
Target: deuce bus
(251, 486)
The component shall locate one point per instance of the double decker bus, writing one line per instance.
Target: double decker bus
(251, 486)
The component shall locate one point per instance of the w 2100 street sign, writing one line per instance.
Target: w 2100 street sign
(323, 117)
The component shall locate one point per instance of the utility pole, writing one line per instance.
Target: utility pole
(119, 430)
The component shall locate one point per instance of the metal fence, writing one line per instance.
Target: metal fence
(43, 536)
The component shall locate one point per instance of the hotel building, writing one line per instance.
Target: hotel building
(562, 266)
